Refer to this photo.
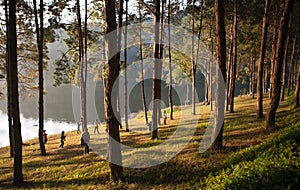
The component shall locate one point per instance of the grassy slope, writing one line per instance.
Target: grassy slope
(273, 164)
(270, 161)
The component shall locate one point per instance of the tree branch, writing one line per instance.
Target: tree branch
(149, 8)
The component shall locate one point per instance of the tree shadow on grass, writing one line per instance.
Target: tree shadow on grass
(64, 183)
(174, 172)
(244, 135)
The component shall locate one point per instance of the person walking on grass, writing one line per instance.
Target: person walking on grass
(96, 129)
(62, 139)
(85, 140)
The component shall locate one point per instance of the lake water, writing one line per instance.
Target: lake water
(30, 128)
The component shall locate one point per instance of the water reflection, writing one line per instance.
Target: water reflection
(30, 128)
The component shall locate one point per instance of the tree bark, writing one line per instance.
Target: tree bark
(194, 66)
(294, 76)
(273, 55)
(284, 70)
(197, 54)
(211, 69)
(142, 69)
(170, 62)
(39, 40)
(112, 70)
(187, 94)
(259, 108)
(275, 96)
(296, 99)
(85, 64)
(291, 65)
(14, 94)
(267, 76)
(161, 54)
(161, 39)
(253, 78)
(217, 133)
(156, 83)
(9, 117)
(119, 37)
(82, 76)
(234, 58)
(251, 74)
(125, 72)
(229, 64)
(285, 60)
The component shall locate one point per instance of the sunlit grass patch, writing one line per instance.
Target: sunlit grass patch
(69, 168)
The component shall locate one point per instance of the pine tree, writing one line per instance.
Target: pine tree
(259, 113)
(217, 134)
(112, 70)
(275, 96)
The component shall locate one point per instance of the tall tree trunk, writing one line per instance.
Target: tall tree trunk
(125, 72)
(296, 99)
(119, 37)
(285, 60)
(217, 133)
(85, 64)
(194, 66)
(295, 75)
(82, 76)
(41, 80)
(270, 123)
(142, 68)
(112, 70)
(234, 58)
(39, 40)
(253, 78)
(170, 62)
(211, 69)
(284, 70)
(187, 100)
(103, 76)
(156, 85)
(198, 50)
(161, 54)
(229, 64)
(273, 56)
(265, 79)
(9, 117)
(259, 108)
(291, 65)
(14, 94)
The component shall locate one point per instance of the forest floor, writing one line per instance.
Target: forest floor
(251, 159)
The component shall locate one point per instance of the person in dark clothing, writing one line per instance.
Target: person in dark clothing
(62, 139)
(165, 117)
(85, 140)
(149, 126)
(78, 128)
(45, 137)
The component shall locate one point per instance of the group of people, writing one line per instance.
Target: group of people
(62, 138)
(85, 136)
(84, 139)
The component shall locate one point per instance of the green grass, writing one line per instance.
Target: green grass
(251, 158)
